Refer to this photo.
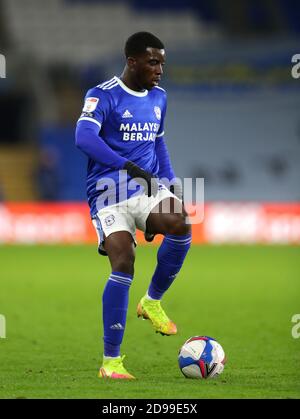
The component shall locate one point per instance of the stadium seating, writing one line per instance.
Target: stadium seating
(80, 32)
(246, 146)
(240, 127)
(16, 173)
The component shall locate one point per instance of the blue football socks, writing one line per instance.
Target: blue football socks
(114, 306)
(170, 258)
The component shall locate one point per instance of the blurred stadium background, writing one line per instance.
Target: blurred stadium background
(233, 119)
(233, 114)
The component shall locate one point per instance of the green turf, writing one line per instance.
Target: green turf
(244, 297)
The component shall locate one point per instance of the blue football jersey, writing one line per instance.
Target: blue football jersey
(129, 122)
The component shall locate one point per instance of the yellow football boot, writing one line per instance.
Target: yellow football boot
(152, 310)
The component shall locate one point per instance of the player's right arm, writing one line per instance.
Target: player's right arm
(97, 106)
(96, 109)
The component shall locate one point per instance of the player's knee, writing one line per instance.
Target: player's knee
(179, 227)
(124, 263)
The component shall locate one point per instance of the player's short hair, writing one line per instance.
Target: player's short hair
(137, 43)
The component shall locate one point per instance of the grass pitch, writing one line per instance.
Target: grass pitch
(244, 297)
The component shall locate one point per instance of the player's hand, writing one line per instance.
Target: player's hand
(136, 173)
(149, 236)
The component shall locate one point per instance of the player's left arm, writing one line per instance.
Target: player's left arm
(162, 154)
(165, 166)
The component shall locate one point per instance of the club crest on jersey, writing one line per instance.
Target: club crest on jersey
(109, 220)
(90, 104)
(157, 112)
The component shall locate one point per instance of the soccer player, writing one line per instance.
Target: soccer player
(121, 130)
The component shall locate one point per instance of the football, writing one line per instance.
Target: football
(201, 357)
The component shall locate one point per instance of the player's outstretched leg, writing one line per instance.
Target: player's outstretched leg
(170, 258)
